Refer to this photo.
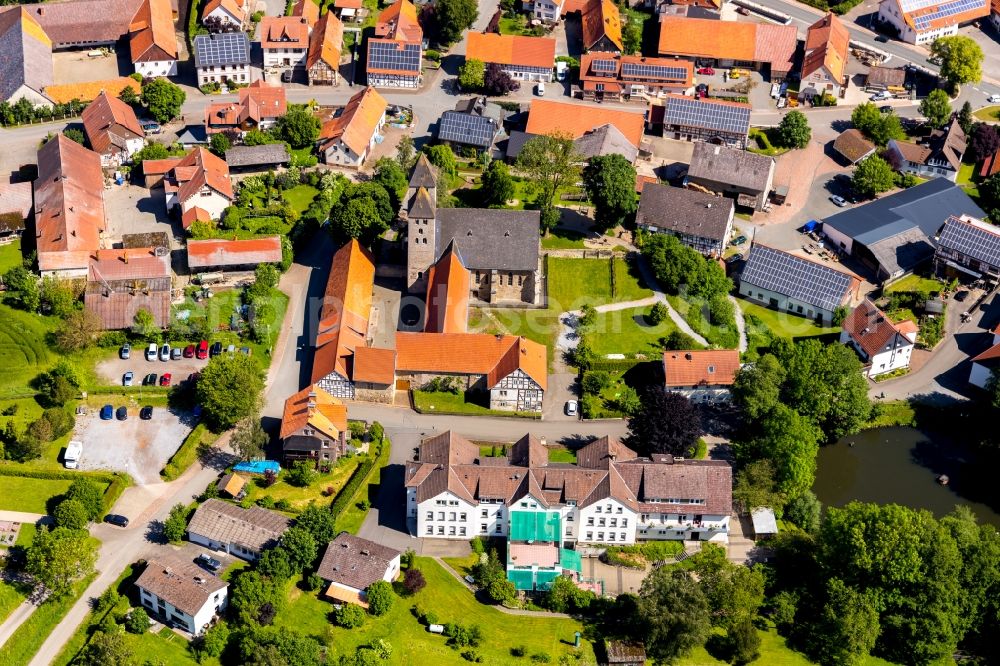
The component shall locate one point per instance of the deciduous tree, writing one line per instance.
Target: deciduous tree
(794, 131)
(380, 598)
(453, 17)
(299, 127)
(230, 389)
(319, 522)
(163, 99)
(961, 58)
(175, 525)
(757, 386)
(610, 184)
(552, 163)
(298, 542)
(936, 107)
(471, 75)
(497, 82)
(106, 648)
(390, 175)
(58, 558)
(666, 422)
(70, 514)
(673, 614)
(985, 140)
(872, 176)
(498, 186)
(249, 438)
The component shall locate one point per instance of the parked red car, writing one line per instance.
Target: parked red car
(189, 351)
(707, 71)
(202, 351)
(165, 379)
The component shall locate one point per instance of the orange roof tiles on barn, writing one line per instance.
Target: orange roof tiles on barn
(69, 202)
(153, 37)
(728, 40)
(121, 282)
(374, 365)
(495, 356)
(326, 41)
(347, 304)
(284, 32)
(601, 18)
(108, 119)
(218, 252)
(511, 49)
(88, 91)
(827, 44)
(448, 286)
(357, 122)
(701, 367)
(314, 406)
(928, 15)
(547, 117)
(125, 264)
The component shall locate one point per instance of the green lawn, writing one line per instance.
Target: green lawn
(24, 643)
(562, 455)
(30, 495)
(24, 352)
(413, 644)
(10, 256)
(463, 565)
(916, 283)
(219, 310)
(300, 196)
(11, 597)
(628, 331)
(351, 518)
(893, 413)
(563, 239)
(301, 497)
(988, 113)
(784, 324)
(441, 402)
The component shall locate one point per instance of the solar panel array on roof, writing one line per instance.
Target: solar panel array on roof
(466, 128)
(690, 112)
(971, 240)
(916, 5)
(229, 48)
(394, 56)
(795, 277)
(604, 66)
(946, 10)
(654, 71)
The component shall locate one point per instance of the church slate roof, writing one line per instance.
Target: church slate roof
(505, 240)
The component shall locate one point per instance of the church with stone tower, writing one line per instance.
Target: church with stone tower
(500, 248)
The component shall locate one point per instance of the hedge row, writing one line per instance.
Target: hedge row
(360, 477)
(185, 455)
(619, 365)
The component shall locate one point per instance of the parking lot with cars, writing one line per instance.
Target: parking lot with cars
(137, 446)
(181, 362)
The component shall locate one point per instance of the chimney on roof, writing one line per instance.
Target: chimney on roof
(688, 356)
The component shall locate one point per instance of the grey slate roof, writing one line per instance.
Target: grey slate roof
(76, 21)
(422, 206)
(505, 240)
(605, 140)
(355, 562)
(684, 211)
(516, 142)
(903, 251)
(24, 60)
(795, 277)
(263, 155)
(254, 529)
(193, 135)
(181, 584)
(423, 173)
(738, 168)
(228, 48)
(927, 206)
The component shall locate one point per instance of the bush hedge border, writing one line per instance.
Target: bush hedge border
(185, 456)
(359, 478)
(117, 482)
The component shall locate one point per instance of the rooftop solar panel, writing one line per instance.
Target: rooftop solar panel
(795, 277)
(690, 112)
(654, 71)
(227, 48)
(973, 241)
(467, 128)
(916, 5)
(395, 56)
(604, 66)
(946, 10)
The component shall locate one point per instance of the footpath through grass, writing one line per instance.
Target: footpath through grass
(28, 638)
(11, 597)
(451, 602)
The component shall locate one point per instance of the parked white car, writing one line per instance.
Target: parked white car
(993, 99)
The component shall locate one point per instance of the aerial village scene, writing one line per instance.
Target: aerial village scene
(435, 332)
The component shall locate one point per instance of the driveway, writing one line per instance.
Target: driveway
(137, 447)
(135, 210)
(78, 67)
(562, 387)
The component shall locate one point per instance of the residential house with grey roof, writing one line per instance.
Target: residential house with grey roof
(245, 533)
(701, 221)
(222, 57)
(605, 140)
(789, 283)
(25, 58)
(499, 247)
(892, 235)
(740, 175)
(474, 122)
(350, 565)
(181, 594)
(936, 156)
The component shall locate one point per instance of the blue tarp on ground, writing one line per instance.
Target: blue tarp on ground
(257, 466)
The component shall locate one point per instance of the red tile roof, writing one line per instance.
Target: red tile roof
(728, 40)
(548, 117)
(196, 170)
(398, 22)
(976, 10)
(511, 50)
(69, 203)
(357, 123)
(308, 10)
(601, 18)
(495, 356)
(234, 7)
(873, 331)
(696, 367)
(218, 252)
(257, 102)
(108, 119)
(448, 286)
(326, 41)
(374, 365)
(827, 43)
(15, 198)
(153, 38)
(89, 90)
(194, 214)
(327, 413)
(284, 32)
(347, 304)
